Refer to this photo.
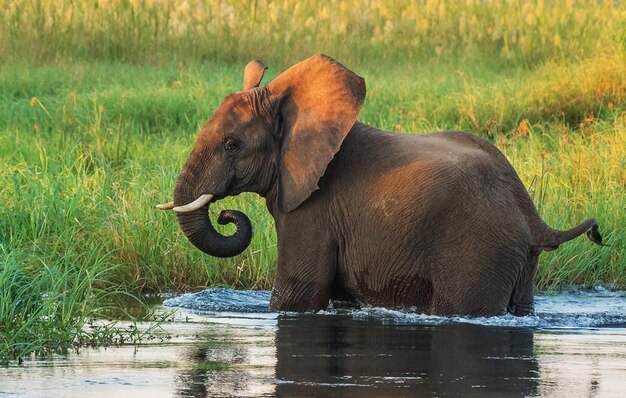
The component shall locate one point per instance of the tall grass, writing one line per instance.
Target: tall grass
(100, 103)
(45, 304)
(285, 31)
(83, 166)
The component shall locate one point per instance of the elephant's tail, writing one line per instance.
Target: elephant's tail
(550, 238)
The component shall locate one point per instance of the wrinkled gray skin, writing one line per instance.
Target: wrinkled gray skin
(438, 222)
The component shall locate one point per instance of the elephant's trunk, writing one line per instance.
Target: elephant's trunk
(197, 226)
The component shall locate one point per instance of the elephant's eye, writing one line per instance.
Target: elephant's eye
(231, 145)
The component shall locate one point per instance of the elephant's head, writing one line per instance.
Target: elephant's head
(274, 140)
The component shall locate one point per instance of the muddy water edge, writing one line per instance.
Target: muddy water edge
(223, 343)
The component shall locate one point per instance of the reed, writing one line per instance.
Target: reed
(49, 306)
(285, 31)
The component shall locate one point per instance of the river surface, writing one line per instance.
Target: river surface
(225, 343)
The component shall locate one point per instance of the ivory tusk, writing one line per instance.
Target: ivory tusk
(195, 205)
(166, 206)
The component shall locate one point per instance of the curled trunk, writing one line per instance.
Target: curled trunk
(199, 230)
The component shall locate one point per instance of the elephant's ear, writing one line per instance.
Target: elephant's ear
(319, 100)
(253, 74)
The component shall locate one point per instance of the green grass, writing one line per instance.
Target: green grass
(100, 106)
(45, 307)
(89, 149)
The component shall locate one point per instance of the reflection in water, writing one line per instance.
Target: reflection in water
(589, 363)
(342, 356)
(228, 365)
(336, 356)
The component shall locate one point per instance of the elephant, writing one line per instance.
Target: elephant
(439, 223)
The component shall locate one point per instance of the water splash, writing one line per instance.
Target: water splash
(223, 300)
(573, 309)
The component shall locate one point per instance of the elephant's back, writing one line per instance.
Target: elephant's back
(369, 154)
(367, 146)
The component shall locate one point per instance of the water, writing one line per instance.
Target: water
(226, 343)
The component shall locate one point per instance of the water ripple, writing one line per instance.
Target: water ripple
(223, 300)
(573, 309)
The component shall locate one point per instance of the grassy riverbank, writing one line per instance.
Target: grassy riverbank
(94, 128)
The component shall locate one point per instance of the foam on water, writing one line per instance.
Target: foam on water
(223, 300)
(573, 309)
